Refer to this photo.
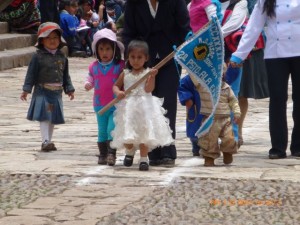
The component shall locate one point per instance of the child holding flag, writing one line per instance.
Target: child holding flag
(139, 118)
(221, 127)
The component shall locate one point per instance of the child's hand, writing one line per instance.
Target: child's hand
(153, 72)
(236, 119)
(189, 103)
(88, 86)
(120, 95)
(101, 6)
(71, 95)
(23, 96)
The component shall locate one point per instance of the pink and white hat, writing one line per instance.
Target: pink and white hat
(108, 34)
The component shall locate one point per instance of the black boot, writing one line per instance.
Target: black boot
(102, 160)
(111, 155)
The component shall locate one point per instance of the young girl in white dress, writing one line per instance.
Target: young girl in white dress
(139, 117)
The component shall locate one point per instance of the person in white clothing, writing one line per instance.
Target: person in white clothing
(282, 57)
(139, 118)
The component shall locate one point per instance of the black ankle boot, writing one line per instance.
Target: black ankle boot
(102, 159)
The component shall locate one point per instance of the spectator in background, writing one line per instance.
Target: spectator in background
(49, 11)
(69, 23)
(100, 19)
(22, 16)
(113, 9)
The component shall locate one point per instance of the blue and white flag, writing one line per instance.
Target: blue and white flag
(203, 56)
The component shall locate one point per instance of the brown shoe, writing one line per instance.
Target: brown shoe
(209, 161)
(227, 158)
(48, 146)
(111, 159)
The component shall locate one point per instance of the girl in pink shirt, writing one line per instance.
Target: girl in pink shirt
(102, 75)
(201, 11)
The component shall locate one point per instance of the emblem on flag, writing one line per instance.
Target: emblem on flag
(202, 56)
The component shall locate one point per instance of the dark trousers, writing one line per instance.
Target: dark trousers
(166, 86)
(49, 11)
(279, 71)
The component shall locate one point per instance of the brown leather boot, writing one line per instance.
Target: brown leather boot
(111, 155)
(227, 158)
(102, 159)
(209, 161)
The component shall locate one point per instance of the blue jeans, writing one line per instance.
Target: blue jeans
(105, 125)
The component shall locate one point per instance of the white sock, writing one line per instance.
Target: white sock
(144, 159)
(51, 129)
(44, 127)
(130, 152)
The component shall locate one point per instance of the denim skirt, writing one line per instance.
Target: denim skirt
(46, 105)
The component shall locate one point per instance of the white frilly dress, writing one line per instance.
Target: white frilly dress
(139, 118)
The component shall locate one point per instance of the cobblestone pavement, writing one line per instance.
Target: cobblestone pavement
(17, 190)
(214, 201)
(68, 187)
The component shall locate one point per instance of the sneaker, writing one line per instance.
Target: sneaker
(296, 154)
(144, 166)
(168, 162)
(276, 154)
(156, 162)
(48, 146)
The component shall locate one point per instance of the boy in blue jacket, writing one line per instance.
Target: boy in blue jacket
(189, 96)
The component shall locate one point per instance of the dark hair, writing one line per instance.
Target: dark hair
(117, 56)
(269, 8)
(64, 3)
(137, 44)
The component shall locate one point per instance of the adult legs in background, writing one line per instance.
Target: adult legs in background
(295, 76)
(166, 86)
(278, 77)
(243, 102)
(254, 84)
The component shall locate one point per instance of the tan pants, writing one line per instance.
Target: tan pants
(221, 128)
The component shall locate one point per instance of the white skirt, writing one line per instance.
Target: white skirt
(139, 119)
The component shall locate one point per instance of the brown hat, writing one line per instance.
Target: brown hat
(45, 29)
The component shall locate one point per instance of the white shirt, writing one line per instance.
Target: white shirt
(237, 18)
(282, 31)
(152, 10)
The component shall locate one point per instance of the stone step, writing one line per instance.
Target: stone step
(4, 28)
(10, 41)
(16, 57)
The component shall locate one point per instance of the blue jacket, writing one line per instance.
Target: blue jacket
(68, 24)
(186, 91)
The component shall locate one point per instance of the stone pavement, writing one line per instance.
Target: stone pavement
(68, 187)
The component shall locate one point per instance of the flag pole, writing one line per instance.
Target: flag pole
(157, 66)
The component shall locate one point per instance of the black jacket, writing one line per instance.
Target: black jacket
(168, 28)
